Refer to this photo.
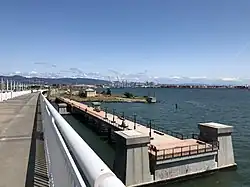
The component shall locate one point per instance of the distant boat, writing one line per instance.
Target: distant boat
(151, 99)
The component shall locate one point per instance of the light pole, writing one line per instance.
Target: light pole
(7, 85)
(106, 113)
(123, 121)
(150, 126)
(134, 121)
(113, 116)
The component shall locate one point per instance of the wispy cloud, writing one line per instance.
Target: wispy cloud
(141, 77)
(230, 79)
(33, 72)
(40, 63)
(202, 77)
(242, 49)
(175, 77)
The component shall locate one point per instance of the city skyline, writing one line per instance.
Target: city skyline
(130, 39)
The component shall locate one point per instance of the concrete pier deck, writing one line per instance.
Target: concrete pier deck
(20, 150)
(159, 140)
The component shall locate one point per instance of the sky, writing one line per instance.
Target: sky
(163, 38)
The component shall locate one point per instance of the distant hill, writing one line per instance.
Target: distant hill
(50, 81)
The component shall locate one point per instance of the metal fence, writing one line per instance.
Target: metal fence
(11, 94)
(147, 123)
(182, 151)
(71, 162)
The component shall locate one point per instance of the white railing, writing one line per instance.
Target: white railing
(62, 144)
(11, 94)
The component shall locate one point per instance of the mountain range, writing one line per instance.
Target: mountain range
(76, 76)
(40, 80)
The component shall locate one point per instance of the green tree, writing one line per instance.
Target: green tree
(108, 91)
(128, 95)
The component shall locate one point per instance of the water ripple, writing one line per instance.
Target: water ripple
(194, 106)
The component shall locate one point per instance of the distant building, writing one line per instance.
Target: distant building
(90, 92)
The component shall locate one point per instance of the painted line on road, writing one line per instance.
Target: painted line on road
(14, 138)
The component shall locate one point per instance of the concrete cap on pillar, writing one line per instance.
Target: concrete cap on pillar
(62, 105)
(220, 128)
(133, 137)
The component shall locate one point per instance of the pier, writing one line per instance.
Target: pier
(170, 155)
(160, 141)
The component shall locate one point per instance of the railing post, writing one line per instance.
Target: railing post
(156, 154)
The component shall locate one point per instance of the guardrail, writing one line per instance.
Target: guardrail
(154, 126)
(71, 161)
(182, 151)
(8, 95)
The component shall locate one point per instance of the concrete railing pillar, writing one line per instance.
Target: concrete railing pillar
(62, 108)
(131, 163)
(222, 134)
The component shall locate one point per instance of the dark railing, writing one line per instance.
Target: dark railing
(182, 151)
(196, 136)
(157, 129)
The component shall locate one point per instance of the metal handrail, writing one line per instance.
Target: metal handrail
(181, 151)
(11, 94)
(95, 170)
(60, 162)
(154, 126)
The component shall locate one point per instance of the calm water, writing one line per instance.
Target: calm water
(218, 105)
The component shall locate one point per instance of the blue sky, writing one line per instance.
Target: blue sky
(166, 38)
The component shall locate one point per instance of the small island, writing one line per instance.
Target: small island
(90, 95)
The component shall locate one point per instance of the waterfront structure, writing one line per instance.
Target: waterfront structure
(147, 155)
(151, 99)
(90, 92)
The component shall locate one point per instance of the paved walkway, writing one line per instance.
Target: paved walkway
(160, 141)
(18, 142)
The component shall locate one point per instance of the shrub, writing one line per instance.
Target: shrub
(128, 95)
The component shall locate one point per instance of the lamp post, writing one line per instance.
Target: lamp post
(134, 121)
(7, 85)
(150, 126)
(123, 121)
(113, 116)
(106, 113)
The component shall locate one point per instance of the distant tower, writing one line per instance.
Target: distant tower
(14, 86)
(7, 85)
(11, 86)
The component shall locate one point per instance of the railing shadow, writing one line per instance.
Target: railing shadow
(37, 174)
